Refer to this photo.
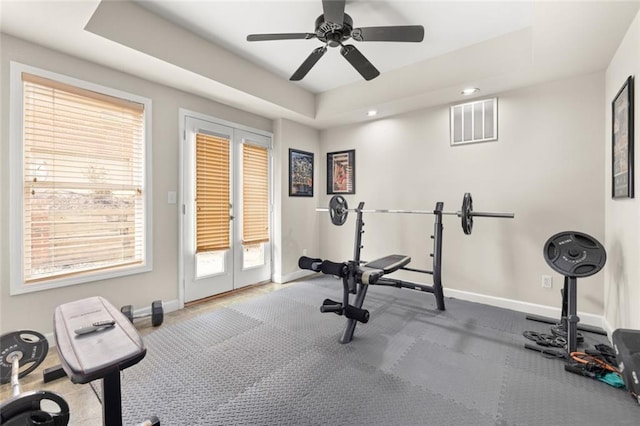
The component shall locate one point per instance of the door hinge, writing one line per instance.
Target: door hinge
(184, 209)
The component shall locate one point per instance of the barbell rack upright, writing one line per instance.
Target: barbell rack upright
(361, 292)
(437, 256)
(361, 289)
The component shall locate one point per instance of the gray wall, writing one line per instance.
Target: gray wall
(35, 310)
(297, 223)
(546, 167)
(622, 216)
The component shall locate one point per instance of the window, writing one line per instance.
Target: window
(212, 203)
(255, 196)
(79, 181)
(212, 193)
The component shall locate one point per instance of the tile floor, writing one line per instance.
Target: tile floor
(85, 407)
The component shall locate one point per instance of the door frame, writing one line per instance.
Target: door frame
(183, 113)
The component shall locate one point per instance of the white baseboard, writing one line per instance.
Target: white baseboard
(607, 327)
(525, 307)
(296, 275)
(167, 306)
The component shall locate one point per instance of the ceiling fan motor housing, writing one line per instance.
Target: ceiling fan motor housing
(331, 33)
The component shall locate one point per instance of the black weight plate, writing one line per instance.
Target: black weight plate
(338, 210)
(30, 346)
(27, 409)
(465, 213)
(574, 254)
(157, 313)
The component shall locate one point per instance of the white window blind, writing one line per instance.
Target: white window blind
(255, 194)
(83, 171)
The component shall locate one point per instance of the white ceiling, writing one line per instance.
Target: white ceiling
(201, 47)
(448, 26)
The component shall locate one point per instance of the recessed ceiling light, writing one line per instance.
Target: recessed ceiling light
(372, 112)
(470, 91)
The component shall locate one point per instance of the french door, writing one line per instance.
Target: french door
(226, 207)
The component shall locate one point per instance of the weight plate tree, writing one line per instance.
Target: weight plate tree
(574, 254)
(30, 347)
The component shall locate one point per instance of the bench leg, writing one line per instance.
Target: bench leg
(112, 399)
(347, 334)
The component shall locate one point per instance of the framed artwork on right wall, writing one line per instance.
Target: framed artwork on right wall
(622, 142)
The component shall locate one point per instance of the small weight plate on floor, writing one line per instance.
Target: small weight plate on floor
(574, 254)
(29, 346)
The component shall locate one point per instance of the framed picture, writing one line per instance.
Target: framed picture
(622, 142)
(300, 173)
(341, 172)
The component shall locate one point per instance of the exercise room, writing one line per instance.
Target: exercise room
(319, 212)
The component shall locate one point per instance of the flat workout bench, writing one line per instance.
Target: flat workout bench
(99, 354)
(373, 271)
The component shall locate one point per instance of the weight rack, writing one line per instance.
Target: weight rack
(435, 289)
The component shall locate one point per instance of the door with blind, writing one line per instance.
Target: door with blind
(226, 211)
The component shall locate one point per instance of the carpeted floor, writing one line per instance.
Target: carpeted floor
(276, 360)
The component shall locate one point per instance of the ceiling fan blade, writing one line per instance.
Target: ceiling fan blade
(359, 62)
(285, 36)
(308, 63)
(333, 11)
(410, 33)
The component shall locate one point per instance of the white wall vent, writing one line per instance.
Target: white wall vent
(475, 121)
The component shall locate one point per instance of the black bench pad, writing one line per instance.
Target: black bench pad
(92, 356)
(390, 263)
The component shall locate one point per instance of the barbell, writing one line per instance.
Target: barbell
(339, 210)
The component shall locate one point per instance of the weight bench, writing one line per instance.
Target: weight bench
(356, 280)
(356, 277)
(96, 341)
(373, 271)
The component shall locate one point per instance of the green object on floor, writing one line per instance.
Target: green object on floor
(612, 379)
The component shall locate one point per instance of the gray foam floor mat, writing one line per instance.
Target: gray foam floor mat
(277, 360)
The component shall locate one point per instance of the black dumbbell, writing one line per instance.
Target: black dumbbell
(157, 313)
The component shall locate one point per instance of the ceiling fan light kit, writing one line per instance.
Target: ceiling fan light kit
(334, 27)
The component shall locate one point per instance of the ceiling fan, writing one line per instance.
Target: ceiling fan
(333, 28)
